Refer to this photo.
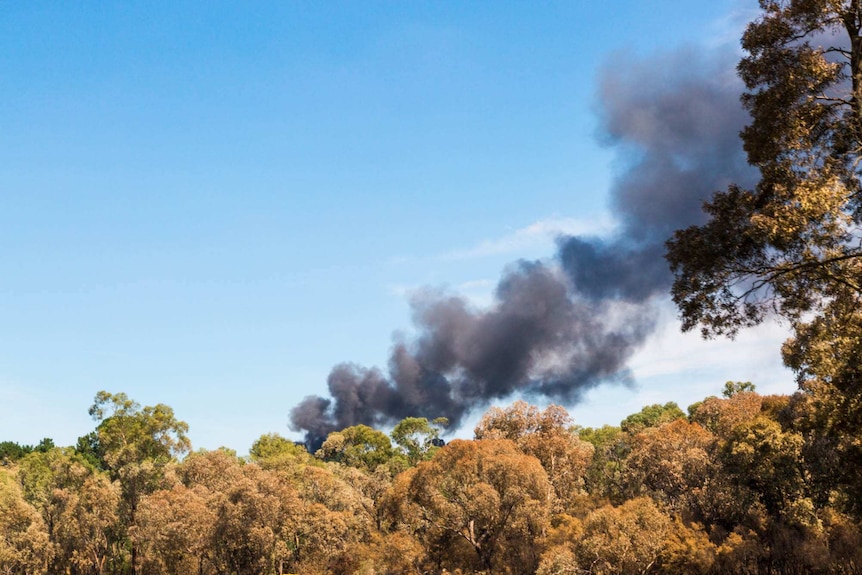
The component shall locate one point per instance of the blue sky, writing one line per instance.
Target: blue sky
(210, 204)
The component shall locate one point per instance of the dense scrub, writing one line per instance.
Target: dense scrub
(742, 484)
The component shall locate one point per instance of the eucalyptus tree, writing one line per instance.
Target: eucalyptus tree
(136, 444)
(792, 245)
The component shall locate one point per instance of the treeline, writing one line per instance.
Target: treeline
(742, 483)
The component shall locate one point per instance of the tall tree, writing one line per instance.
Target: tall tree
(136, 443)
(792, 246)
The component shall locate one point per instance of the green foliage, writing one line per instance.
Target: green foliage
(272, 451)
(692, 409)
(40, 472)
(651, 416)
(129, 434)
(136, 444)
(11, 451)
(611, 448)
(78, 503)
(731, 388)
(270, 445)
(357, 446)
(415, 436)
(89, 448)
(760, 455)
(44, 445)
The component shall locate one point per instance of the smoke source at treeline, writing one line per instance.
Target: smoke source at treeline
(559, 327)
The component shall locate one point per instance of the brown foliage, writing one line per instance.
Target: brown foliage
(547, 436)
(673, 463)
(24, 545)
(720, 416)
(488, 494)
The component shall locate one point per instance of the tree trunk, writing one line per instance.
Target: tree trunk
(852, 22)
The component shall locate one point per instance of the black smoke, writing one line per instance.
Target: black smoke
(675, 123)
(558, 328)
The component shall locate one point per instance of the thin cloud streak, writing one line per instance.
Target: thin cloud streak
(538, 235)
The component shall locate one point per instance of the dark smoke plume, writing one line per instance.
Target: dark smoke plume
(561, 327)
(675, 122)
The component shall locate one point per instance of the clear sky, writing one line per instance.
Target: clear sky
(210, 204)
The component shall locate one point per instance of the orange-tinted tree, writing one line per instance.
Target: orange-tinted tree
(488, 494)
(673, 463)
(626, 539)
(546, 435)
(24, 545)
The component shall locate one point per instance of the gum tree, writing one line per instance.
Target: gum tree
(792, 246)
(136, 443)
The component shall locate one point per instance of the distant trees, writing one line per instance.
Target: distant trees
(416, 437)
(651, 416)
(358, 445)
(11, 451)
(604, 476)
(744, 484)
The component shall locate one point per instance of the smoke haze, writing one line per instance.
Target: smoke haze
(557, 328)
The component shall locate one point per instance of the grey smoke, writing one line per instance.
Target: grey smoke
(560, 327)
(675, 123)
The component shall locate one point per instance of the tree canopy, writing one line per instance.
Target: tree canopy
(792, 245)
(745, 484)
